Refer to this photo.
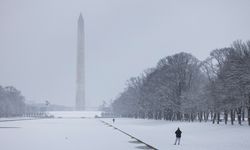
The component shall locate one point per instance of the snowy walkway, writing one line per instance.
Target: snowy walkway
(61, 134)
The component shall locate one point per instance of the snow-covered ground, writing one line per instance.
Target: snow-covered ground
(61, 134)
(195, 136)
(78, 133)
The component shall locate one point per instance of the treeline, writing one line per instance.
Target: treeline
(181, 87)
(11, 102)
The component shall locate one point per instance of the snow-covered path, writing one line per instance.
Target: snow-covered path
(61, 134)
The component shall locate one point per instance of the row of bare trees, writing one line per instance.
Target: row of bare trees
(11, 102)
(181, 87)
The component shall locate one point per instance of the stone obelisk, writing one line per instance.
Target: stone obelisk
(80, 76)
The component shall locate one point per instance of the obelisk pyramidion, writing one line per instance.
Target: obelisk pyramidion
(80, 76)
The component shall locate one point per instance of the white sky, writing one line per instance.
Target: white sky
(123, 38)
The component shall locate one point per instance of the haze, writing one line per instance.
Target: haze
(123, 38)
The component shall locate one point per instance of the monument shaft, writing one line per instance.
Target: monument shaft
(80, 79)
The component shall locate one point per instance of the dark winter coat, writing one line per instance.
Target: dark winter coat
(178, 133)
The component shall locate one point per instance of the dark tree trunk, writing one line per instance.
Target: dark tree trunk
(243, 114)
(206, 116)
(239, 115)
(218, 117)
(225, 116)
(214, 117)
(200, 116)
(248, 110)
(248, 115)
(232, 116)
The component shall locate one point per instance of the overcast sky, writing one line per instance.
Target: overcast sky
(123, 38)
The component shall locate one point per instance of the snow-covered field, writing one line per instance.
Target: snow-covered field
(91, 134)
(61, 134)
(195, 136)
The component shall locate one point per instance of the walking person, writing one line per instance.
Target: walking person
(178, 136)
(113, 120)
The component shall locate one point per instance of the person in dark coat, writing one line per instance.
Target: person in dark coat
(178, 136)
(113, 120)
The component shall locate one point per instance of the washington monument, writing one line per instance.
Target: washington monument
(80, 75)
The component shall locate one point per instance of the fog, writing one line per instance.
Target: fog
(123, 38)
